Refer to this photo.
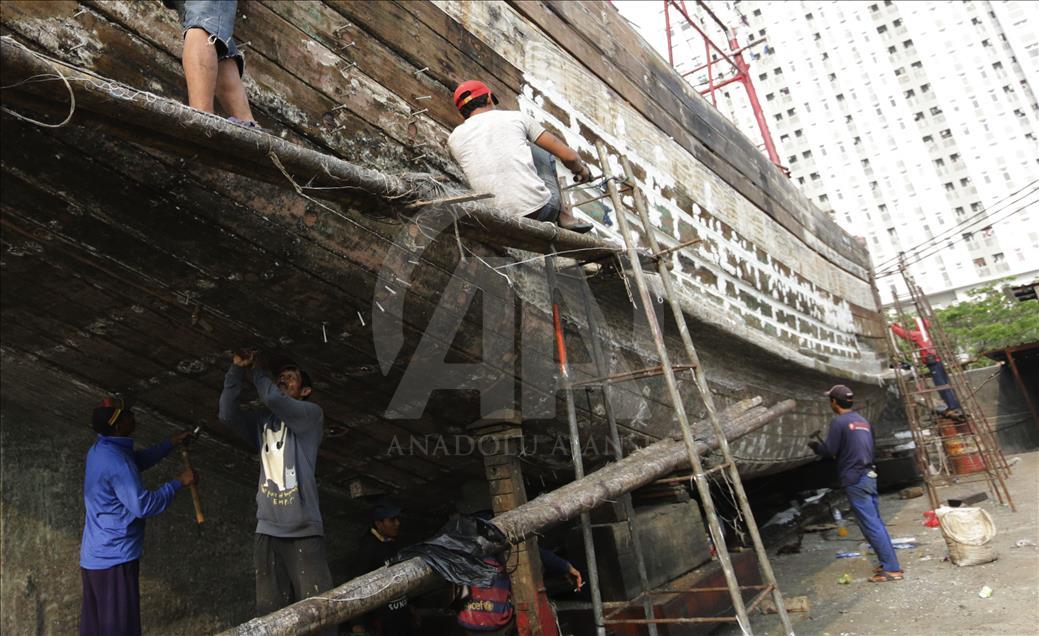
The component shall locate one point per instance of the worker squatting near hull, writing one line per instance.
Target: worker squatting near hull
(765, 275)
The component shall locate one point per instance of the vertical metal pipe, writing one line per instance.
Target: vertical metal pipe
(703, 487)
(602, 370)
(708, 399)
(575, 443)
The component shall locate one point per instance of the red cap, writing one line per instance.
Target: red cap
(474, 88)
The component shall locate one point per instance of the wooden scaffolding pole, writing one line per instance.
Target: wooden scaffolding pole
(379, 587)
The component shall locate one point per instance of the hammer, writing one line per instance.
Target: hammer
(199, 517)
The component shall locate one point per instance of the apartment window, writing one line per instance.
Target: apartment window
(975, 21)
(826, 55)
(857, 140)
(959, 210)
(806, 154)
(900, 71)
(823, 198)
(761, 32)
(865, 163)
(925, 88)
(791, 159)
(790, 112)
(907, 44)
(777, 71)
(873, 185)
(954, 157)
(798, 132)
(918, 116)
(976, 206)
(882, 208)
(779, 116)
(763, 77)
(910, 93)
(809, 16)
(784, 91)
(814, 176)
(997, 65)
(840, 97)
(816, 37)
(928, 139)
(892, 49)
(874, 8)
(979, 262)
(949, 187)
(935, 110)
(964, 182)
(833, 76)
(882, 28)
(757, 12)
(917, 64)
(847, 119)
(770, 96)
(1008, 89)
(968, 236)
(939, 162)
(946, 133)
(998, 257)
(887, 3)
(801, 180)
(897, 23)
(784, 137)
(986, 43)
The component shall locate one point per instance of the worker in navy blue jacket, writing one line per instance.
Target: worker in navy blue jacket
(850, 441)
(117, 504)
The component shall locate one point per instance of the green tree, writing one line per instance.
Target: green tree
(990, 319)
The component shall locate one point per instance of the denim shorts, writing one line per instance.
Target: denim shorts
(215, 17)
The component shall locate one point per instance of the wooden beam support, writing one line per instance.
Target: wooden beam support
(638, 469)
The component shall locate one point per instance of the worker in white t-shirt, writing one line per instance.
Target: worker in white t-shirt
(508, 154)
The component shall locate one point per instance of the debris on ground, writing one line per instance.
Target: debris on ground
(911, 493)
(819, 527)
(968, 500)
(848, 555)
(792, 604)
(1024, 543)
(986, 592)
(845, 579)
(794, 547)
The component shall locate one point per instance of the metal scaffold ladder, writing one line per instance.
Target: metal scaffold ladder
(951, 448)
(700, 476)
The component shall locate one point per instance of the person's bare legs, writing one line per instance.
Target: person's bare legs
(200, 69)
(231, 92)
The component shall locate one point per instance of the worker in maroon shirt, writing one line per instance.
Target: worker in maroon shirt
(929, 356)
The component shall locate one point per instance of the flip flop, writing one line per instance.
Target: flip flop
(884, 577)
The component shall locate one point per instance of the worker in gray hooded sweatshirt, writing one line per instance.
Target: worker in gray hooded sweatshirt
(289, 553)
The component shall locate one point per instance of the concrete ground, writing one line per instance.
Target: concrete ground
(936, 596)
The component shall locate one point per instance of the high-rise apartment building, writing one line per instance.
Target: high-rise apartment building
(914, 123)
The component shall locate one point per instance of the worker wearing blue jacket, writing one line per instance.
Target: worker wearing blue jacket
(849, 440)
(116, 506)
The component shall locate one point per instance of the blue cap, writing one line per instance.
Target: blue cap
(385, 509)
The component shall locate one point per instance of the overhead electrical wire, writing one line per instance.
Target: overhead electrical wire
(967, 221)
(920, 256)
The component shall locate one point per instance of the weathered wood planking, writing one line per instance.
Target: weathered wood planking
(432, 43)
(646, 82)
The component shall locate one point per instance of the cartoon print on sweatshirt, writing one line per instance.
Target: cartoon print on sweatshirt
(277, 456)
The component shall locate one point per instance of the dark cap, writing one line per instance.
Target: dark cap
(385, 509)
(840, 392)
(107, 413)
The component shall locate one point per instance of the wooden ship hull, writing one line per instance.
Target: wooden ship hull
(143, 241)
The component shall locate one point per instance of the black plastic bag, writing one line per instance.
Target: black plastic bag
(456, 552)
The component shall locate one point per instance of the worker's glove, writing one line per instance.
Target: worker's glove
(816, 447)
(582, 174)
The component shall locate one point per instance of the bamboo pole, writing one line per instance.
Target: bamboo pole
(379, 587)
